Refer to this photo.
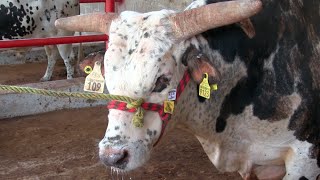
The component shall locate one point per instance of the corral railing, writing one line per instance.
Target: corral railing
(109, 7)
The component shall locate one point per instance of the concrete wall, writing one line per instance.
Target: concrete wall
(91, 7)
(139, 5)
(15, 104)
(152, 5)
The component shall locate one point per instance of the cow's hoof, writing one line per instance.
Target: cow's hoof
(44, 79)
(69, 77)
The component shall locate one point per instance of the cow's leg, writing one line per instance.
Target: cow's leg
(300, 166)
(68, 57)
(52, 54)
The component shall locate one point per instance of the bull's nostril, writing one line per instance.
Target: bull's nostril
(124, 157)
(116, 158)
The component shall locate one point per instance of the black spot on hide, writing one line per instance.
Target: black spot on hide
(220, 125)
(11, 18)
(303, 178)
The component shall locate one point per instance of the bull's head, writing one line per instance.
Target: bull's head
(144, 60)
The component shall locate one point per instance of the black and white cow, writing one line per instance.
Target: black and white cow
(35, 19)
(264, 119)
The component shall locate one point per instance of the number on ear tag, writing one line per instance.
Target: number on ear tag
(94, 81)
(168, 107)
(172, 95)
(204, 88)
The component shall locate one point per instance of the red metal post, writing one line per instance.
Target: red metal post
(96, 1)
(51, 41)
(109, 6)
(91, 1)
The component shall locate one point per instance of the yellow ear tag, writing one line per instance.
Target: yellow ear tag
(94, 81)
(87, 69)
(204, 88)
(168, 106)
(214, 87)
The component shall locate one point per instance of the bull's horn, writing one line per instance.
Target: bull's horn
(93, 22)
(194, 21)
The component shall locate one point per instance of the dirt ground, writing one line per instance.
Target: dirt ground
(29, 73)
(63, 145)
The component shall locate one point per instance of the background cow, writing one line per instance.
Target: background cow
(35, 19)
(264, 120)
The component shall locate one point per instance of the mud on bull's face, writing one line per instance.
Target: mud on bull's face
(139, 63)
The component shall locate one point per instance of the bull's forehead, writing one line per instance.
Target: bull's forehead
(140, 51)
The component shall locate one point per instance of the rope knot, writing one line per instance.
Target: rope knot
(135, 104)
(137, 119)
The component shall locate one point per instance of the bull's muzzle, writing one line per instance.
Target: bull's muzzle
(115, 157)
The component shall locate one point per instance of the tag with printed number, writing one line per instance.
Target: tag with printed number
(172, 95)
(94, 81)
(168, 106)
(204, 88)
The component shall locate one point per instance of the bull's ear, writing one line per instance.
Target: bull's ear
(86, 65)
(248, 28)
(199, 64)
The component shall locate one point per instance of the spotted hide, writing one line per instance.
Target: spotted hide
(35, 19)
(264, 119)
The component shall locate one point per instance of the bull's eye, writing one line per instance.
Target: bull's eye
(161, 83)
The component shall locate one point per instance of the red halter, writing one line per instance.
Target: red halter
(165, 117)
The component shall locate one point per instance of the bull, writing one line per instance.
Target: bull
(263, 121)
(35, 19)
